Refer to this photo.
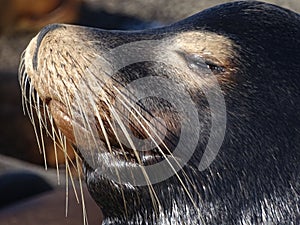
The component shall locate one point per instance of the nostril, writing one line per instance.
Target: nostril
(40, 37)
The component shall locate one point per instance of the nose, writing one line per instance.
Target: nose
(40, 37)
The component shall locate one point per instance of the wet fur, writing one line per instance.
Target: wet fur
(255, 178)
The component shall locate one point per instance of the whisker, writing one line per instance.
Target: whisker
(122, 149)
(37, 109)
(40, 119)
(72, 181)
(67, 187)
(158, 147)
(31, 116)
(153, 195)
(54, 145)
(84, 212)
(124, 130)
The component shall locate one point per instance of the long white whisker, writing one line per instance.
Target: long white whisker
(40, 119)
(85, 217)
(161, 141)
(55, 146)
(124, 130)
(67, 186)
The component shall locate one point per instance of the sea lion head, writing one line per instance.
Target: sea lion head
(195, 122)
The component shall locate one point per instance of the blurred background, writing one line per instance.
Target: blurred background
(21, 163)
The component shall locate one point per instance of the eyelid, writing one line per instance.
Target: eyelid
(196, 62)
(193, 60)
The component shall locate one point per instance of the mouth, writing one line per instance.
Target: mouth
(91, 135)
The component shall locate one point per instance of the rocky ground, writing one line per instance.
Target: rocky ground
(169, 11)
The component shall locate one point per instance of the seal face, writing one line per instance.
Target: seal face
(130, 101)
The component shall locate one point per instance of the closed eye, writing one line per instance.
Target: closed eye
(214, 67)
(196, 62)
